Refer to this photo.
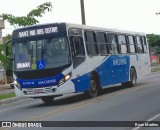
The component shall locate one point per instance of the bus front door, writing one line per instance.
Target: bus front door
(81, 79)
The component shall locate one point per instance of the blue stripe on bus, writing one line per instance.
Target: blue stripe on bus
(81, 83)
(113, 70)
(36, 83)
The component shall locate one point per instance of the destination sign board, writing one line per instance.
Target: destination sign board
(36, 32)
(39, 31)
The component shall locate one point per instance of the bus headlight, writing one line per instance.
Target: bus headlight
(16, 84)
(65, 79)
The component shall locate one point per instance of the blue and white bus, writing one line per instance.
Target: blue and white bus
(57, 59)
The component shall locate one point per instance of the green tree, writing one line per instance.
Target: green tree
(154, 43)
(154, 40)
(30, 18)
(22, 21)
(7, 64)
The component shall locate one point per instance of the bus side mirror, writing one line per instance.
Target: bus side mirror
(6, 51)
(7, 48)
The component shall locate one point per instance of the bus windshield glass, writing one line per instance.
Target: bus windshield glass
(41, 54)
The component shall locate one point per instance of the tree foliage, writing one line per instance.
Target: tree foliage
(6, 63)
(30, 18)
(21, 21)
(153, 39)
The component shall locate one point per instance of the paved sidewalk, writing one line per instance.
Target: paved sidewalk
(5, 89)
(4, 86)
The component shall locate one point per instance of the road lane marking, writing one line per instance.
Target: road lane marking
(73, 107)
(150, 119)
(86, 102)
(155, 117)
(61, 110)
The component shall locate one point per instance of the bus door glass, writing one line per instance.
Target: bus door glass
(77, 49)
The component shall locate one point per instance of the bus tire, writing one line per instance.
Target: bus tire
(93, 89)
(133, 79)
(48, 100)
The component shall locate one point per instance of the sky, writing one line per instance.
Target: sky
(131, 15)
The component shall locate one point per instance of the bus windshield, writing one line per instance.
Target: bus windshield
(41, 54)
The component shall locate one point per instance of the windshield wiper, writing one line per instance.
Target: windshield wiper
(42, 52)
(31, 53)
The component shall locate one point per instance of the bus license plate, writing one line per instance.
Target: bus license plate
(38, 90)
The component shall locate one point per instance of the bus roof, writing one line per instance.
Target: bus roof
(71, 25)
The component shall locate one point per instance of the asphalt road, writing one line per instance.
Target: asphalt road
(140, 103)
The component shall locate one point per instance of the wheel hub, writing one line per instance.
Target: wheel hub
(93, 86)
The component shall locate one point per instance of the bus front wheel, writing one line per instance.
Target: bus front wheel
(93, 89)
(48, 100)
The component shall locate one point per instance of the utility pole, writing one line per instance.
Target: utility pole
(82, 12)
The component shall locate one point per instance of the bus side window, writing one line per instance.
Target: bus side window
(77, 50)
(102, 43)
(144, 44)
(139, 44)
(113, 43)
(92, 47)
(122, 44)
(131, 44)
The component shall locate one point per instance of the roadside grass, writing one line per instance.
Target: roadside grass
(8, 95)
(155, 68)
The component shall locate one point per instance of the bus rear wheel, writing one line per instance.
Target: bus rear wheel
(93, 89)
(48, 100)
(133, 79)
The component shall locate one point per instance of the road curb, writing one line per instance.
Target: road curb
(154, 72)
(10, 100)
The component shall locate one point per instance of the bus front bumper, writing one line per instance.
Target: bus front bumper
(66, 88)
